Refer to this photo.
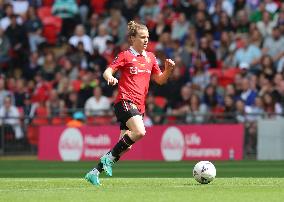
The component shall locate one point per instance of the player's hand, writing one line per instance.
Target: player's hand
(112, 81)
(169, 65)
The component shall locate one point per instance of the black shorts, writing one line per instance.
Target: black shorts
(124, 110)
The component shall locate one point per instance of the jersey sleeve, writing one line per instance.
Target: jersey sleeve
(118, 62)
(155, 69)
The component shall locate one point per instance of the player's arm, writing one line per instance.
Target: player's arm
(108, 76)
(163, 77)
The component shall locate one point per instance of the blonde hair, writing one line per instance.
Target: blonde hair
(133, 27)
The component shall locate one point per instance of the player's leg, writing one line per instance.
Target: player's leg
(128, 115)
(122, 133)
(137, 128)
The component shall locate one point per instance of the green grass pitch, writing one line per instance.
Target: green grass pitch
(240, 181)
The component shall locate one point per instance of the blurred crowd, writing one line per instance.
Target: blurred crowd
(229, 58)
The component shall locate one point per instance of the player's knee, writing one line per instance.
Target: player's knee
(140, 133)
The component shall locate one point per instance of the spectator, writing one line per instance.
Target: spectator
(229, 109)
(185, 94)
(19, 41)
(41, 89)
(80, 36)
(4, 48)
(231, 91)
(266, 25)
(116, 26)
(148, 11)
(274, 45)
(3, 92)
(196, 111)
(242, 22)
(256, 38)
(201, 77)
(49, 67)
(154, 111)
(98, 104)
(256, 110)
(159, 28)
(130, 9)
(20, 7)
(212, 99)
(69, 69)
(270, 6)
(247, 95)
(29, 109)
(20, 92)
(92, 26)
(67, 10)
(33, 27)
(86, 88)
(84, 9)
(271, 107)
(256, 15)
(267, 66)
(6, 21)
(249, 53)
(208, 53)
(100, 41)
(180, 27)
(54, 105)
(223, 53)
(238, 6)
(240, 111)
(32, 67)
(77, 121)
(10, 117)
(72, 103)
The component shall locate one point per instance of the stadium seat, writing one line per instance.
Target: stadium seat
(102, 120)
(160, 101)
(98, 6)
(41, 116)
(228, 76)
(76, 84)
(171, 119)
(47, 2)
(40, 121)
(151, 47)
(90, 120)
(32, 134)
(51, 28)
(44, 12)
(57, 121)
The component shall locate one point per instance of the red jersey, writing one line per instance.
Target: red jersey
(136, 70)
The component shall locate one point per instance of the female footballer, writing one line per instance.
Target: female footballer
(136, 66)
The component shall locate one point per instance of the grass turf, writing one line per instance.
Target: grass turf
(31, 180)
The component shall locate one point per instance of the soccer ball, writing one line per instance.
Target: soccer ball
(204, 172)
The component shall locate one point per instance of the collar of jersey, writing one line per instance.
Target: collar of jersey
(134, 52)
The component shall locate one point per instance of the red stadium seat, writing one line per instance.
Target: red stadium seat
(47, 2)
(32, 134)
(90, 120)
(40, 121)
(98, 6)
(160, 101)
(51, 28)
(44, 12)
(57, 121)
(151, 47)
(102, 120)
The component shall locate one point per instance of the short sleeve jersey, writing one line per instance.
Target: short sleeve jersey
(135, 73)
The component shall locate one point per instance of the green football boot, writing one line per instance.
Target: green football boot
(107, 164)
(93, 177)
